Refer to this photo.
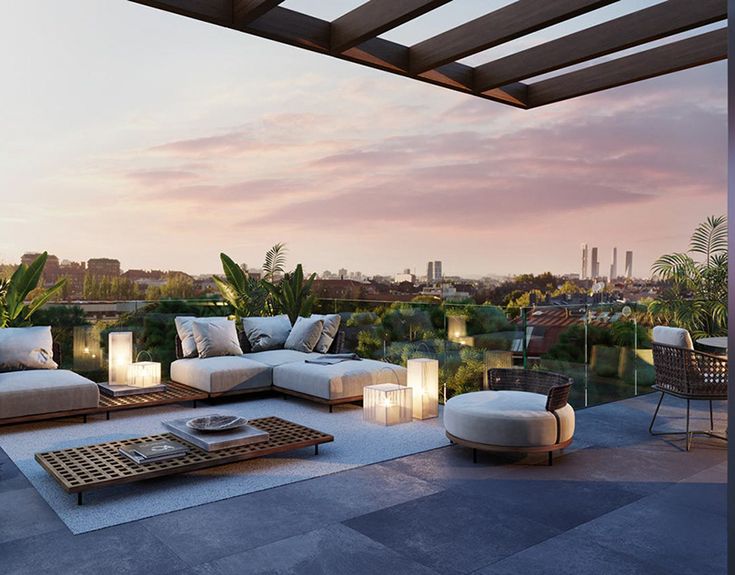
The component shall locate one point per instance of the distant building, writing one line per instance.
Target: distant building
(75, 272)
(629, 264)
(50, 271)
(614, 265)
(438, 275)
(342, 274)
(103, 267)
(406, 276)
(585, 254)
(430, 273)
(595, 271)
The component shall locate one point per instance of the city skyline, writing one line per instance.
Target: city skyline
(216, 156)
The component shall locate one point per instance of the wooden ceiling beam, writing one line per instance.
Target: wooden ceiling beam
(213, 11)
(245, 11)
(631, 30)
(375, 17)
(508, 23)
(687, 53)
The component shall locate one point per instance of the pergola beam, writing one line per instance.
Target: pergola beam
(245, 11)
(503, 25)
(631, 30)
(688, 53)
(375, 17)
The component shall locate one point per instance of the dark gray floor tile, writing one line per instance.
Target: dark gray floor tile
(201, 534)
(124, 549)
(451, 532)
(332, 550)
(24, 513)
(560, 504)
(350, 493)
(10, 476)
(681, 540)
(571, 554)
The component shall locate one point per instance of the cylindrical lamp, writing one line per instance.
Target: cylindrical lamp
(144, 374)
(423, 378)
(120, 356)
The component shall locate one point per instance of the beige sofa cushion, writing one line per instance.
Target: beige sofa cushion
(506, 418)
(45, 391)
(346, 379)
(221, 374)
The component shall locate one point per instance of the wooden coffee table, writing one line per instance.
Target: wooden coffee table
(82, 469)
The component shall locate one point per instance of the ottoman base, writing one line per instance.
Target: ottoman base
(508, 449)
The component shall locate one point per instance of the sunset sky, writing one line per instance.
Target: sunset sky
(132, 133)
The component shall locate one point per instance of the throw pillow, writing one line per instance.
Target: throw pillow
(186, 333)
(26, 348)
(266, 333)
(331, 327)
(305, 334)
(215, 338)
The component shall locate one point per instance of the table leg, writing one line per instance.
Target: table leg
(316, 449)
(79, 499)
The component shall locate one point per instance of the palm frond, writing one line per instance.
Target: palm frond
(275, 261)
(710, 237)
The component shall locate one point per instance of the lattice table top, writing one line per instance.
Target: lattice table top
(91, 466)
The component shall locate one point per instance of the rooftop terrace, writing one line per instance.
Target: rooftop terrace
(619, 501)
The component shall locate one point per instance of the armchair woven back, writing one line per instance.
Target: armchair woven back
(689, 373)
(555, 386)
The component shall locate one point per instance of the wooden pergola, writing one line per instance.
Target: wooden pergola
(354, 36)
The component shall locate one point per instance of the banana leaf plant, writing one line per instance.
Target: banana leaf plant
(292, 295)
(245, 295)
(14, 310)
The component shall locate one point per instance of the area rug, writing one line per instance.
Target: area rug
(356, 443)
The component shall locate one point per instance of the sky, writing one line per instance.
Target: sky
(133, 133)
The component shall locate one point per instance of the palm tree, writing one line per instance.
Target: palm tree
(696, 297)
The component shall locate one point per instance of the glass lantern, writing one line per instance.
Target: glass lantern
(387, 404)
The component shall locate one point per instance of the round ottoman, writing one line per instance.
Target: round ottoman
(508, 420)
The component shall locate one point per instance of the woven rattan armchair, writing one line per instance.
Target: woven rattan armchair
(692, 375)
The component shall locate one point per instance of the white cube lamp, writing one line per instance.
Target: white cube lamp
(120, 356)
(423, 378)
(144, 373)
(387, 404)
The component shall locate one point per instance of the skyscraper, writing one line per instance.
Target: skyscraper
(430, 272)
(437, 271)
(614, 265)
(595, 272)
(628, 264)
(585, 254)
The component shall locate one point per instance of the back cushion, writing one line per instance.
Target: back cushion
(215, 338)
(305, 334)
(186, 333)
(266, 333)
(26, 348)
(675, 336)
(329, 332)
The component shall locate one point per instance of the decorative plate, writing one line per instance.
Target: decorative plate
(216, 422)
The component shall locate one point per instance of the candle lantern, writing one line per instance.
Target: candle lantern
(120, 356)
(387, 403)
(423, 379)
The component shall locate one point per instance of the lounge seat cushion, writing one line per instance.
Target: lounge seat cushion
(506, 418)
(221, 374)
(274, 357)
(34, 392)
(345, 379)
